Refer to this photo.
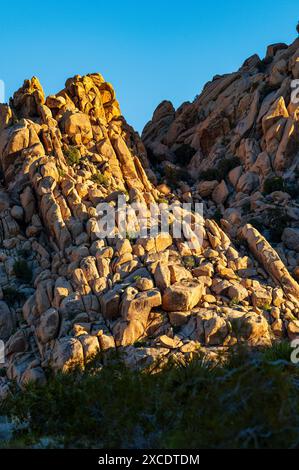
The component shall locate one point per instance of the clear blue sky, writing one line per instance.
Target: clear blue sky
(149, 50)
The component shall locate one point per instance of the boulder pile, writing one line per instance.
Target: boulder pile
(67, 294)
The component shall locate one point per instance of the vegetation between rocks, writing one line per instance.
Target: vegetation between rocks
(100, 179)
(72, 155)
(173, 175)
(22, 270)
(219, 173)
(250, 402)
(277, 183)
(12, 296)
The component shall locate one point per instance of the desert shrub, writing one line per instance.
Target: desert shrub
(226, 165)
(140, 344)
(72, 155)
(209, 175)
(220, 172)
(22, 270)
(246, 207)
(101, 179)
(278, 220)
(175, 175)
(273, 184)
(162, 200)
(189, 262)
(61, 172)
(267, 307)
(217, 216)
(257, 223)
(279, 351)
(12, 296)
(184, 154)
(234, 302)
(251, 401)
(24, 253)
(292, 188)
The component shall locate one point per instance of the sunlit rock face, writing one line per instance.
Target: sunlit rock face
(242, 132)
(67, 293)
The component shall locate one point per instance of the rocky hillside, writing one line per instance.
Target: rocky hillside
(67, 295)
(237, 145)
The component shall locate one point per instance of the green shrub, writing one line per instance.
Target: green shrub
(24, 253)
(234, 302)
(100, 179)
(217, 216)
(140, 344)
(209, 175)
(175, 175)
(189, 262)
(267, 307)
(278, 220)
(226, 165)
(162, 200)
(292, 188)
(257, 223)
(251, 401)
(61, 172)
(12, 296)
(220, 172)
(22, 270)
(72, 155)
(273, 184)
(279, 351)
(246, 207)
(184, 154)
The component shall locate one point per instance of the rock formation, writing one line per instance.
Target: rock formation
(67, 294)
(236, 147)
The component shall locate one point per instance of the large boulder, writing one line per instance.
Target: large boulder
(140, 306)
(67, 354)
(48, 326)
(110, 303)
(216, 330)
(78, 124)
(220, 193)
(206, 188)
(182, 296)
(255, 329)
(127, 332)
(261, 298)
(91, 346)
(271, 262)
(290, 238)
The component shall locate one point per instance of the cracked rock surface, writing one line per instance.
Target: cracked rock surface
(66, 295)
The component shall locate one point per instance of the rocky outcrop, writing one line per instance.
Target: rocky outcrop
(236, 148)
(271, 262)
(67, 293)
